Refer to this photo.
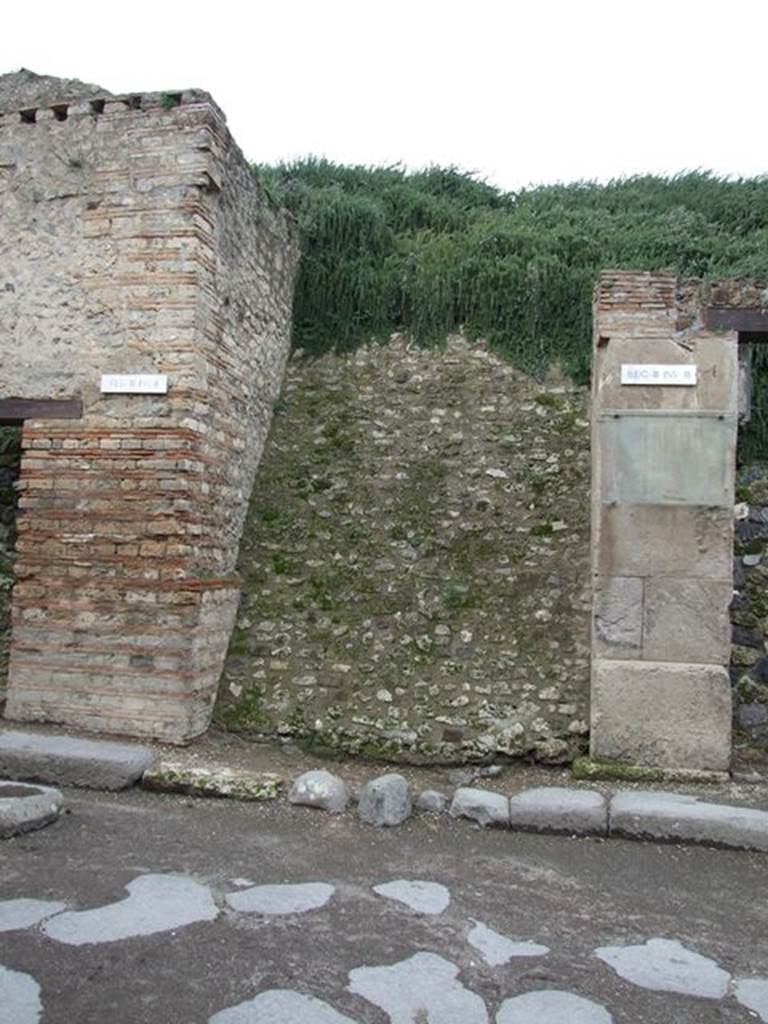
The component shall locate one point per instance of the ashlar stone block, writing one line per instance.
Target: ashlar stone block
(687, 620)
(665, 540)
(618, 617)
(661, 714)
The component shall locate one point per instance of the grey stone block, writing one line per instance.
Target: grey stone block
(70, 761)
(680, 818)
(431, 801)
(385, 801)
(661, 714)
(556, 809)
(618, 617)
(687, 620)
(24, 808)
(480, 805)
(320, 789)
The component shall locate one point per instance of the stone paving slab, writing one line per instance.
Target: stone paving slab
(681, 818)
(71, 761)
(557, 809)
(25, 808)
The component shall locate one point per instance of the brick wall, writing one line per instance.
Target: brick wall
(135, 240)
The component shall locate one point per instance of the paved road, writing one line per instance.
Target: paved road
(187, 930)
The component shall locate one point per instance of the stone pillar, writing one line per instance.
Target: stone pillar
(662, 525)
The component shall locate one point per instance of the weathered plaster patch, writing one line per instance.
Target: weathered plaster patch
(497, 949)
(19, 997)
(552, 1007)
(156, 903)
(753, 993)
(24, 913)
(665, 965)
(423, 897)
(281, 899)
(280, 1006)
(425, 987)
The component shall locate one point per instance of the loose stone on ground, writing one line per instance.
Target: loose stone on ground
(322, 789)
(385, 801)
(431, 801)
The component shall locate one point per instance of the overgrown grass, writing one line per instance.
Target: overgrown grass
(435, 250)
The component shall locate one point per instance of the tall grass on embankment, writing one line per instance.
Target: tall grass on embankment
(433, 251)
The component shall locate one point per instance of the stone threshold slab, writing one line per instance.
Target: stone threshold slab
(72, 761)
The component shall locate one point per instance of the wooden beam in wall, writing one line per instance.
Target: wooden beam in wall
(723, 319)
(15, 409)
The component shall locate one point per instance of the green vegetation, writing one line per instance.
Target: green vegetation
(432, 251)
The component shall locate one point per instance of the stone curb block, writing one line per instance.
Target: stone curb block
(480, 805)
(556, 809)
(24, 808)
(170, 777)
(680, 818)
(71, 761)
(320, 788)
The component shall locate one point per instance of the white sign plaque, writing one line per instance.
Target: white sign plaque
(134, 383)
(682, 374)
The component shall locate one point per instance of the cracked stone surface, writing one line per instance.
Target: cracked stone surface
(24, 913)
(753, 993)
(280, 1006)
(424, 987)
(497, 949)
(552, 1007)
(423, 897)
(281, 899)
(156, 903)
(19, 997)
(664, 965)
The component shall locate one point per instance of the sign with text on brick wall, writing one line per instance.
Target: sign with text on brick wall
(683, 374)
(134, 383)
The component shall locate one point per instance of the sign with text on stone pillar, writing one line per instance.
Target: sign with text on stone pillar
(664, 440)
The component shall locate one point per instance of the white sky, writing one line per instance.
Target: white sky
(518, 91)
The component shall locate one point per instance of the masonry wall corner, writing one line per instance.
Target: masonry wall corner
(135, 240)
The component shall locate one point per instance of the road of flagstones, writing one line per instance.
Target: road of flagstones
(141, 907)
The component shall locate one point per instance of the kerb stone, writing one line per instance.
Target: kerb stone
(556, 809)
(480, 805)
(321, 789)
(680, 818)
(385, 801)
(70, 761)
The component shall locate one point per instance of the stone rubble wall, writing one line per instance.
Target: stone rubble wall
(749, 610)
(415, 561)
(135, 240)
